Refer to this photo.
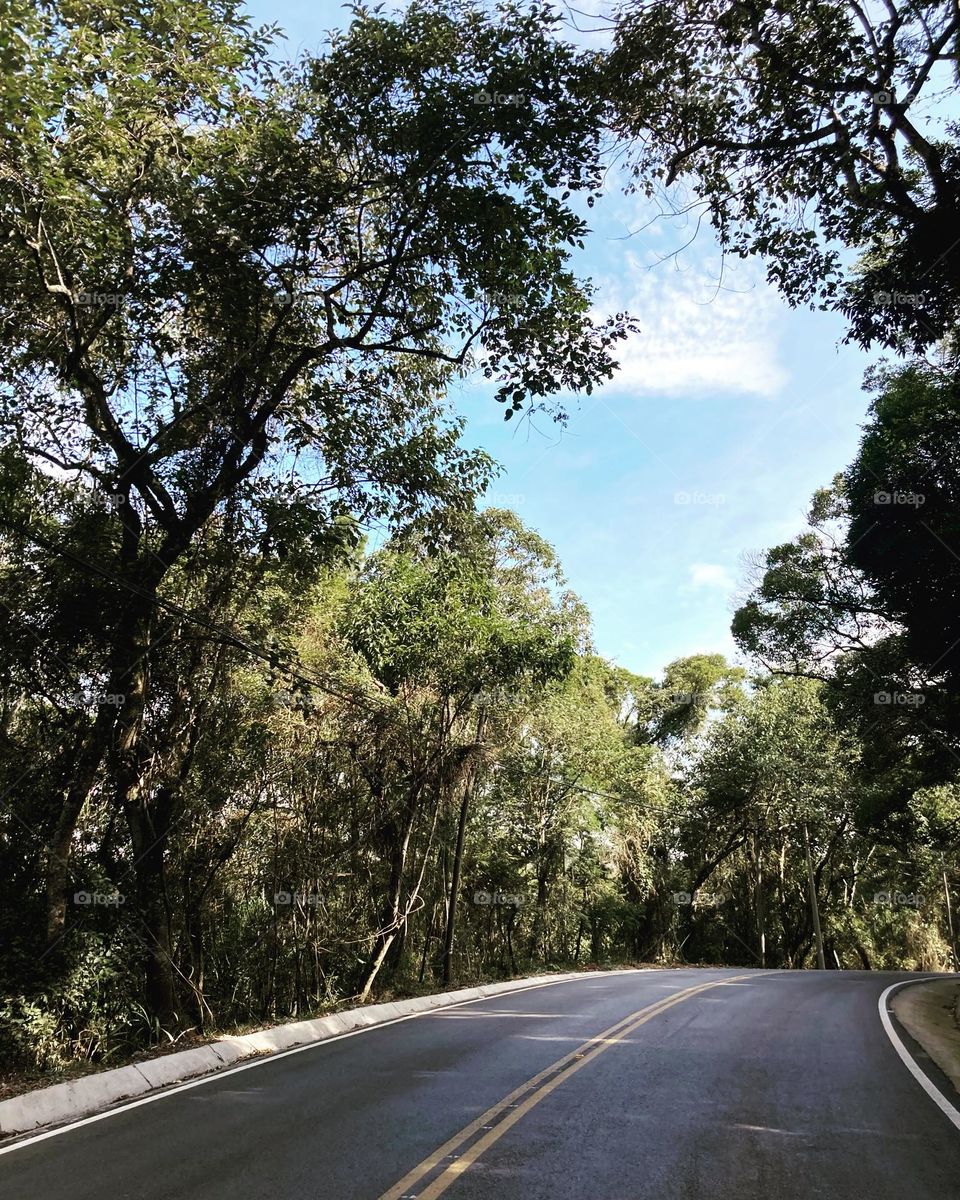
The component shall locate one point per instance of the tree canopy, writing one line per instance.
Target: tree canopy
(803, 130)
(288, 715)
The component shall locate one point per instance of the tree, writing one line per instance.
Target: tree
(690, 688)
(777, 767)
(458, 639)
(842, 603)
(812, 613)
(550, 810)
(903, 492)
(234, 292)
(757, 777)
(802, 128)
(810, 604)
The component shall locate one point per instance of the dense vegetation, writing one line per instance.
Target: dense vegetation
(255, 761)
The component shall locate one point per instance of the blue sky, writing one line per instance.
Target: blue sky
(728, 411)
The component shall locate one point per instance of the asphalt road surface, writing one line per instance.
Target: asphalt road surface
(667, 1085)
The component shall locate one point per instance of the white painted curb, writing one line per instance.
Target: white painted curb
(70, 1101)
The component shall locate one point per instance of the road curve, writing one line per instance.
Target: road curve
(667, 1085)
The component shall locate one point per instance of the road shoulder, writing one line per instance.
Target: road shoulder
(929, 1013)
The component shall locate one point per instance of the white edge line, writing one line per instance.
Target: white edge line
(262, 1060)
(949, 1110)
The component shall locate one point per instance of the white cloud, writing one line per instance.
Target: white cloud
(693, 336)
(710, 575)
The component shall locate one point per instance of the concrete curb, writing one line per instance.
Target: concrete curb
(64, 1102)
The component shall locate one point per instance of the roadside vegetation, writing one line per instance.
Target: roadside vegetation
(287, 716)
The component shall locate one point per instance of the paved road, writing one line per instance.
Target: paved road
(738, 1085)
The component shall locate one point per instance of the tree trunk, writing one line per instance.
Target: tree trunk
(149, 846)
(449, 933)
(82, 772)
(390, 912)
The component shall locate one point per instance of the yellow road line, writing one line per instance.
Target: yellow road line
(538, 1090)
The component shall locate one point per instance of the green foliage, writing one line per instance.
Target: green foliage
(818, 110)
(904, 500)
(842, 602)
(865, 603)
(239, 748)
(234, 293)
(88, 1013)
(690, 689)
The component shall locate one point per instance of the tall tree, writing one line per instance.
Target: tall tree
(803, 130)
(233, 286)
(903, 493)
(844, 601)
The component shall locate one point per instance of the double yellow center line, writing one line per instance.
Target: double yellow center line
(522, 1099)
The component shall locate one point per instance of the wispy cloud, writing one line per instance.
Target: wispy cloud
(695, 337)
(710, 575)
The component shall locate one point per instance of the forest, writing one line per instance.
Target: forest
(290, 717)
